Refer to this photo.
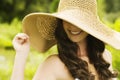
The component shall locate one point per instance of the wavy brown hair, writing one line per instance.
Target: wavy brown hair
(77, 67)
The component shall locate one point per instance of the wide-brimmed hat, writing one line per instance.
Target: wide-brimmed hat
(81, 13)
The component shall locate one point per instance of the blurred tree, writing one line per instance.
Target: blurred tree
(112, 6)
(109, 10)
(19, 8)
(10, 9)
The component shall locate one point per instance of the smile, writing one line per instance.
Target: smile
(75, 32)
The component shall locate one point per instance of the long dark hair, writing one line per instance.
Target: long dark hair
(77, 67)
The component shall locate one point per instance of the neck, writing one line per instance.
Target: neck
(82, 49)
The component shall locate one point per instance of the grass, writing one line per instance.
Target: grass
(34, 59)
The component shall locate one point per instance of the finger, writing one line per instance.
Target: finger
(24, 41)
(22, 35)
(21, 38)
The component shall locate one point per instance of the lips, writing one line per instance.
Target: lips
(75, 32)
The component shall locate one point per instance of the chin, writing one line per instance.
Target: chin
(74, 40)
(77, 40)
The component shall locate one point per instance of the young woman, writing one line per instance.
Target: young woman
(80, 39)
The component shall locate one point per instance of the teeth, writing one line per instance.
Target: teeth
(75, 32)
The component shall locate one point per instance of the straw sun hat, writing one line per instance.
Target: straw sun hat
(82, 13)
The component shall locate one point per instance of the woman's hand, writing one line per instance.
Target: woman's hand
(22, 46)
(21, 43)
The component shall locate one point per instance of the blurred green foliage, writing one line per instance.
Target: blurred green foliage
(19, 8)
(109, 10)
(11, 15)
(117, 25)
(33, 61)
(8, 31)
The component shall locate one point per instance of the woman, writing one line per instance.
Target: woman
(80, 39)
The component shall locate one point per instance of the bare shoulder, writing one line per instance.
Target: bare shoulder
(107, 56)
(52, 67)
(60, 70)
(53, 64)
(54, 59)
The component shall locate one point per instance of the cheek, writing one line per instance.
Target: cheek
(83, 37)
(66, 31)
(65, 28)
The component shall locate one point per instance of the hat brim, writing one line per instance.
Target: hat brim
(86, 21)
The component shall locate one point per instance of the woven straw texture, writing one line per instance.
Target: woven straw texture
(81, 13)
